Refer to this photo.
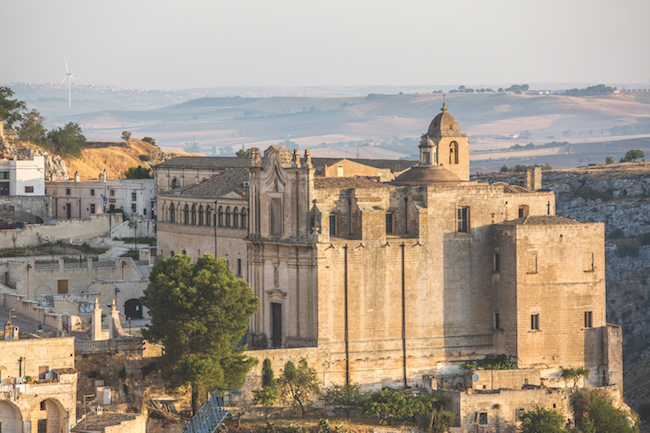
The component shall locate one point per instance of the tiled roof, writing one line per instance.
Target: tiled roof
(206, 162)
(540, 220)
(217, 186)
(98, 423)
(346, 182)
(395, 165)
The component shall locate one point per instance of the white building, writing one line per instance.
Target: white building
(22, 178)
(77, 199)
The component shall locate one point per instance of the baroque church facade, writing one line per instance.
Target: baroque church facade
(400, 282)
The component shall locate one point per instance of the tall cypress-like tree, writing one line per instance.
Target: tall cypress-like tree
(199, 312)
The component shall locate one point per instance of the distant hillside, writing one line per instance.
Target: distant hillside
(116, 158)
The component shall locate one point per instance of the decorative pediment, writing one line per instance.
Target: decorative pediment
(276, 295)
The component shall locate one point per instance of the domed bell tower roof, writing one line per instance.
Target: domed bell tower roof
(444, 125)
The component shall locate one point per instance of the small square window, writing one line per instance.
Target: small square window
(67, 191)
(29, 189)
(92, 192)
(483, 418)
(112, 193)
(43, 405)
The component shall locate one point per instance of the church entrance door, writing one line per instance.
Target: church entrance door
(276, 325)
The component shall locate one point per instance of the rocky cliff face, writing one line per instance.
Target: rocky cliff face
(55, 167)
(619, 196)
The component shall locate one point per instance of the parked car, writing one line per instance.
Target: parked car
(6, 225)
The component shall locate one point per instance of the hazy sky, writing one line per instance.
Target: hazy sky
(190, 43)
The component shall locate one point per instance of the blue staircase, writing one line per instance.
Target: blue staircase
(209, 417)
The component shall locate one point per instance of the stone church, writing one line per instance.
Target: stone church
(400, 282)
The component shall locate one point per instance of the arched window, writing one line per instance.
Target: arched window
(453, 153)
(193, 214)
(172, 213)
(175, 183)
(186, 214)
(220, 216)
(244, 218)
(228, 216)
(201, 215)
(208, 217)
(235, 217)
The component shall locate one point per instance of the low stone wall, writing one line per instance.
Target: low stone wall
(74, 230)
(30, 309)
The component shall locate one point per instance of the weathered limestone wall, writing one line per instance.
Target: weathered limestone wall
(138, 425)
(33, 210)
(560, 276)
(28, 308)
(77, 230)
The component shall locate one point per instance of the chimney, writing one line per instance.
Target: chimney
(537, 178)
(77, 178)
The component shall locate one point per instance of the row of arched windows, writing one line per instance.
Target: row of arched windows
(226, 217)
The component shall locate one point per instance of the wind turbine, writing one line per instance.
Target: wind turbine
(68, 76)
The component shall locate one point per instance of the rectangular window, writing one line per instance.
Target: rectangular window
(92, 209)
(42, 371)
(463, 219)
(332, 225)
(43, 406)
(534, 322)
(482, 418)
(276, 216)
(497, 321)
(92, 192)
(589, 319)
(29, 190)
(134, 207)
(134, 196)
(523, 211)
(389, 223)
(520, 414)
(239, 267)
(339, 171)
(497, 265)
(112, 193)
(67, 191)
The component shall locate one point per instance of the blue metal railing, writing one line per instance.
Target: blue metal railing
(209, 417)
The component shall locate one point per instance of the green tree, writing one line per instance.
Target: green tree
(67, 141)
(300, 384)
(504, 169)
(433, 416)
(346, 398)
(389, 405)
(633, 155)
(138, 172)
(199, 312)
(595, 412)
(574, 374)
(31, 128)
(540, 420)
(149, 140)
(266, 397)
(10, 109)
(609, 160)
(268, 378)
(243, 153)
(126, 136)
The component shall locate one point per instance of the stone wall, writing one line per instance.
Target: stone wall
(33, 210)
(75, 230)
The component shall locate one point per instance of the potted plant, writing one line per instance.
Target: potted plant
(29, 379)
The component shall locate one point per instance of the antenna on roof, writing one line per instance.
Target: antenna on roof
(194, 143)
